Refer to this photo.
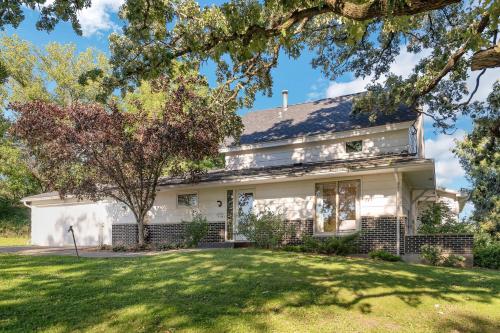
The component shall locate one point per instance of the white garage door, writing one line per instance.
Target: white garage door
(91, 224)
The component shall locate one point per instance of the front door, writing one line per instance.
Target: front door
(244, 204)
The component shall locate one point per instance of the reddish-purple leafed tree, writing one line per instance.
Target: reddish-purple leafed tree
(93, 151)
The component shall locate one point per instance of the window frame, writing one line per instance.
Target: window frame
(358, 207)
(187, 193)
(354, 152)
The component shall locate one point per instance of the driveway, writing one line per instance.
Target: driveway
(88, 252)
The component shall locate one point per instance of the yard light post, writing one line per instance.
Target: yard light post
(74, 241)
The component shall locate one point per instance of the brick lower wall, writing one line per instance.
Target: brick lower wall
(127, 234)
(380, 233)
(457, 244)
(302, 228)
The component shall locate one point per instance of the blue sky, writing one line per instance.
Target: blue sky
(297, 76)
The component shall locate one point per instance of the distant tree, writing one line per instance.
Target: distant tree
(50, 74)
(92, 151)
(17, 178)
(51, 12)
(479, 155)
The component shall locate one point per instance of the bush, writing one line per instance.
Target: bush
(432, 254)
(266, 230)
(196, 230)
(453, 260)
(119, 248)
(293, 248)
(439, 219)
(383, 255)
(341, 245)
(487, 255)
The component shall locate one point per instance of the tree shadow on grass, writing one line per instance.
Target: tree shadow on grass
(211, 290)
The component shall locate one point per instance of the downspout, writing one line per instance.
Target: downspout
(398, 225)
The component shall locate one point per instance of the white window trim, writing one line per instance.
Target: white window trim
(185, 193)
(358, 208)
(354, 152)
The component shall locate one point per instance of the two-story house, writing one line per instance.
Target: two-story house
(327, 171)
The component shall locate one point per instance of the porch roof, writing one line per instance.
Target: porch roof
(297, 170)
(289, 172)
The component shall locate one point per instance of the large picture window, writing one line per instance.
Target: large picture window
(337, 206)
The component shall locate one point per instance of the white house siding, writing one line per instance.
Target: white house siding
(394, 141)
(295, 199)
(90, 221)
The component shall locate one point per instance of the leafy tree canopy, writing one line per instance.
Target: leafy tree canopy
(94, 151)
(479, 155)
(246, 38)
(50, 75)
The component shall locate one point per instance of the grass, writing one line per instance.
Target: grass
(13, 240)
(243, 290)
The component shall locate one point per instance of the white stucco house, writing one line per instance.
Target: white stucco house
(327, 171)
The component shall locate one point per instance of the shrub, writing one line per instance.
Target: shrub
(439, 219)
(432, 254)
(196, 230)
(453, 260)
(163, 246)
(266, 230)
(119, 248)
(293, 248)
(487, 255)
(383, 255)
(341, 245)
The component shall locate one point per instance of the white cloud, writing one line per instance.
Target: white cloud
(403, 65)
(449, 173)
(97, 18)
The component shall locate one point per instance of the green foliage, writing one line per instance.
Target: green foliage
(196, 230)
(266, 230)
(432, 254)
(383, 255)
(479, 155)
(453, 260)
(341, 245)
(245, 39)
(487, 255)
(51, 12)
(14, 220)
(439, 219)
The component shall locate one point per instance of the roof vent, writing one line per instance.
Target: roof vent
(285, 99)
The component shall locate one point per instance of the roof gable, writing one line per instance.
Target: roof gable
(319, 117)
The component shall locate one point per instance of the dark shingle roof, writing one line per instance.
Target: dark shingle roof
(318, 117)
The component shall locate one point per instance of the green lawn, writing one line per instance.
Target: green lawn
(13, 241)
(243, 291)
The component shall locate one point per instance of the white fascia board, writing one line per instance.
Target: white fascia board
(319, 137)
(333, 172)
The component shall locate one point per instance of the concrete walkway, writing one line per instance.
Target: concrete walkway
(87, 252)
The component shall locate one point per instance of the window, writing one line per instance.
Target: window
(337, 206)
(187, 200)
(354, 146)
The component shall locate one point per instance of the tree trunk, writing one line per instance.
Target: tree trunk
(140, 225)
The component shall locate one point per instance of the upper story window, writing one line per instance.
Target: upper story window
(354, 146)
(187, 200)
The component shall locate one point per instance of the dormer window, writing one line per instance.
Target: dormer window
(354, 146)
